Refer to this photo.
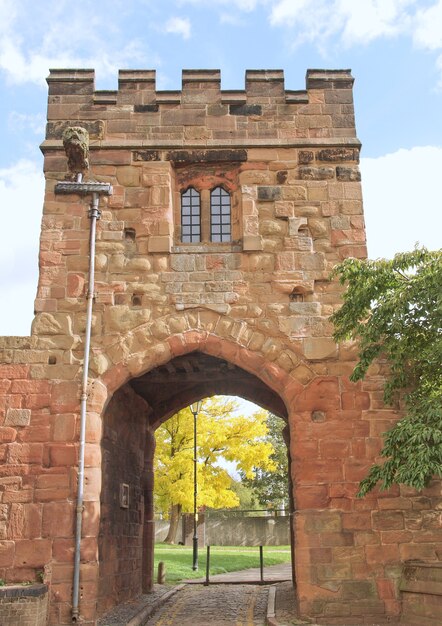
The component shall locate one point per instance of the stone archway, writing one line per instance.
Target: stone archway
(130, 418)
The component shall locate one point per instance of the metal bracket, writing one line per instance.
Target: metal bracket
(83, 188)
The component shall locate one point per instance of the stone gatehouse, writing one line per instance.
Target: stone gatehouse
(213, 254)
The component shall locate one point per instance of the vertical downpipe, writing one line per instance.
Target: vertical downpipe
(94, 214)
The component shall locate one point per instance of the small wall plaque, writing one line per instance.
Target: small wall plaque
(124, 495)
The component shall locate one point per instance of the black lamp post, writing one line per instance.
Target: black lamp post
(195, 407)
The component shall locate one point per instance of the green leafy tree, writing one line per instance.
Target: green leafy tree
(222, 435)
(271, 487)
(393, 308)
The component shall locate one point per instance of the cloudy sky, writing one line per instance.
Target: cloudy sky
(394, 48)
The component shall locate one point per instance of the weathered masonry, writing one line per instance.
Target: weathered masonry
(212, 264)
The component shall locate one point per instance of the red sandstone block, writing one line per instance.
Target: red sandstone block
(7, 434)
(92, 455)
(51, 495)
(304, 449)
(343, 490)
(355, 400)
(116, 377)
(342, 504)
(429, 536)
(93, 428)
(320, 471)
(20, 495)
(364, 504)
(355, 470)
(302, 557)
(336, 539)
(25, 521)
(367, 538)
(337, 449)
(63, 454)
(89, 549)
(361, 429)
(356, 521)
(15, 402)
(58, 519)
(25, 453)
(382, 553)
(362, 571)
(61, 592)
(75, 285)
(358, 449)
(386, 589)
(63, 427)
(65, 397)
(320, 555)
(331, 429)
(388, 520)
(63, 550)
(396, 536)
(322, 394)
(53, 480)
(14, 371)
(395, 503)
(32, 553)
(3, 454)
(37, 401)
(392, 607)
(92, 483)
(30, 386)
(34, 434)
(312, 497)
(5, 384)
(97, 398)
(111, 157)
(7, 552)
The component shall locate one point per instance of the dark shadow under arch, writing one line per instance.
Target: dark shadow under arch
(195, 375)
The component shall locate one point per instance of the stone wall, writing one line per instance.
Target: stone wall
(421, 592)
(261, 302)
(24, 605)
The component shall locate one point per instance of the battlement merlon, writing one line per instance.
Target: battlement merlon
(201, 113)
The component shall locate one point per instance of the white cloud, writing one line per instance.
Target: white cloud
(428, 30)
(402, 200)
(356, 22)
(21, 199)
(66, 36)
(178, 26)
(241, 5)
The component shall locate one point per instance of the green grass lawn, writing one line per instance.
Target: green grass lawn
(178, 559)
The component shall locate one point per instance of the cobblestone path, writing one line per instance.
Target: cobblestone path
(217, 605)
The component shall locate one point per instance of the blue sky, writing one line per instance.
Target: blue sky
(394, 48)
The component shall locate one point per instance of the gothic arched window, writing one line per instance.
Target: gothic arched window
(220, 215)
(190, 216)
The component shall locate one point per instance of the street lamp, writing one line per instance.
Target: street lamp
(195, 407)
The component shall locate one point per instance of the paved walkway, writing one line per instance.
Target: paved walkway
(272, 574)
(217, 605)
(234, 599)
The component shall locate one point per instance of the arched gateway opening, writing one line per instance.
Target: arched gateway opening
(136, 409)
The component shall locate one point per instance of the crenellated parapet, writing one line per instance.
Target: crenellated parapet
(201, 113)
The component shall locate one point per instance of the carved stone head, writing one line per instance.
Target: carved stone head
(76, 145)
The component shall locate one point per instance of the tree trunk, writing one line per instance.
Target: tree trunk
(175, 516)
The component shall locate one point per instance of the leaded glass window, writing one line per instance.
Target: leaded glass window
(220, 215)
(190, 216)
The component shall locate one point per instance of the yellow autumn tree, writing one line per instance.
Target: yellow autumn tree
(222, 435)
